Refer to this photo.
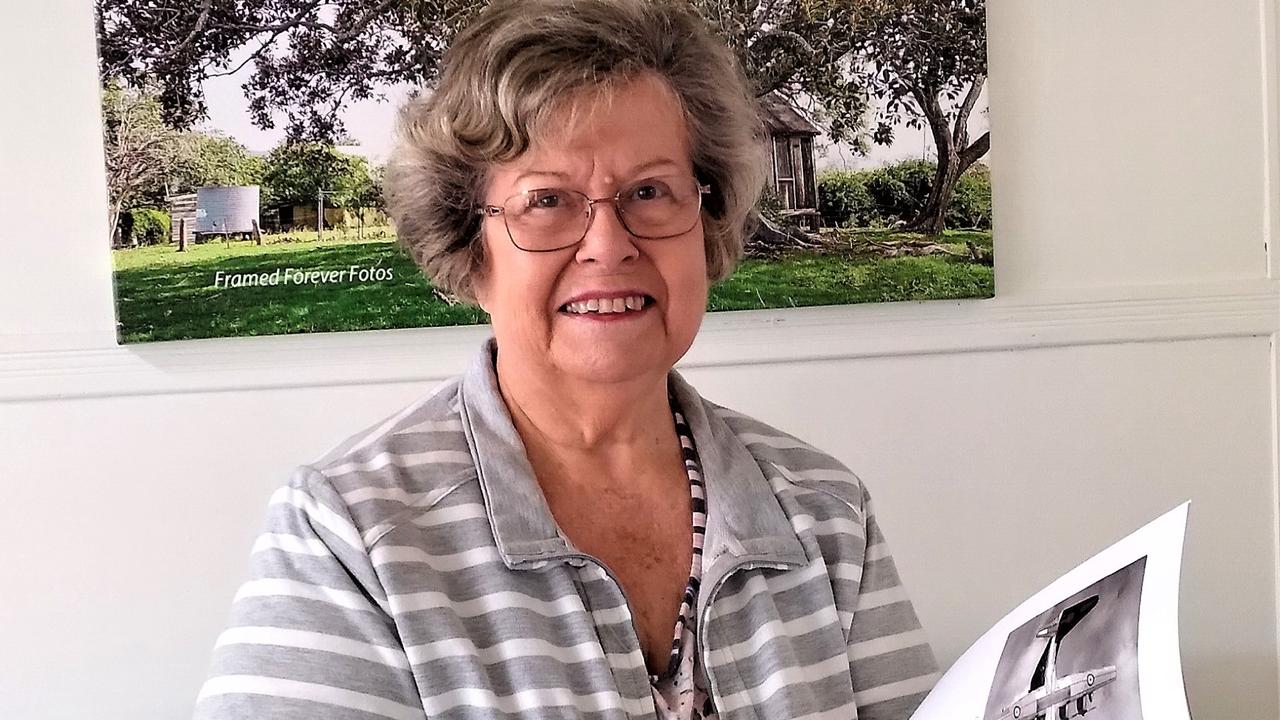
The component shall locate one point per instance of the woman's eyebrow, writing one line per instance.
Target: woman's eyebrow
(656, 162)
(647, 165)
(554, 173)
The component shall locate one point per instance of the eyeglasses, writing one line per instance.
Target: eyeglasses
(549, 219)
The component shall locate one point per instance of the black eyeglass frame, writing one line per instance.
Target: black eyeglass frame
(492, 210)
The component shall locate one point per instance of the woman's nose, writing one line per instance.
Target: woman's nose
(607, 240)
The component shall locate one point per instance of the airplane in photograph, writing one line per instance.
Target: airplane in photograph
(1050, 697)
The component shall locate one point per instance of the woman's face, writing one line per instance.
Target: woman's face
(534, 298)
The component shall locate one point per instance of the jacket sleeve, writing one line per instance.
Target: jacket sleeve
(892, 664)
(310, 634)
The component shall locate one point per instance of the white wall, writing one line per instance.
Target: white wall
(1128, 363)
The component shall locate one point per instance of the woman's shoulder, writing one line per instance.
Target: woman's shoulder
(404, 463)
(790, 463)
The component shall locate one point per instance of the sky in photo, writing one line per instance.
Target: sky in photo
(372, 123)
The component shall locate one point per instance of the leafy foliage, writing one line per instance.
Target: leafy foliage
(921, 49)
(770, 206)
(214, 159)
(802, 50)
(848, 62)
(145, 227)
(971, 204)
(295, 173)
(311, 58)
(148, 160)
(843, 199)
(871, 198)
(926, 62)
(140, 148)
(897, 193)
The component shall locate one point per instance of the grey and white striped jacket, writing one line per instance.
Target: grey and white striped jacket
(416, 572)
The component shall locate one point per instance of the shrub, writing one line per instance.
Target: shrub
(971, 203)
(843, 199)
(882, 196)
(900, 189)
(890, 195)
(917, 177)
(144, 227)
(770, 206)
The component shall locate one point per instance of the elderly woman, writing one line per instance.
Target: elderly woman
(569, 530)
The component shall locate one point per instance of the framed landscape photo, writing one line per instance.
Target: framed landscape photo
(245, 146)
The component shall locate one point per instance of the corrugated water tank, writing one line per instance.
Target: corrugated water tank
(227, 209)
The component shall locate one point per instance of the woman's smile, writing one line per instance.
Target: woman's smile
(609, 316)
(608, 308)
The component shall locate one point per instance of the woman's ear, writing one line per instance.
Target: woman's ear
(480, 282)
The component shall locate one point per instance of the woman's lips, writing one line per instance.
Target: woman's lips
(613, 303)
(623, 316)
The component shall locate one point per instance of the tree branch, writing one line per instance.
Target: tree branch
(363, 21)
(205, 7)
(789, 35)
(974, 152)
(961, 132)
(761, 15)
(936, 118)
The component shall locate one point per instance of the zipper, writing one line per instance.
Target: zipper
(626, 604)
(705, 651)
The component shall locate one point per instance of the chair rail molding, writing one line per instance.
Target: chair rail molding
(1087, 316)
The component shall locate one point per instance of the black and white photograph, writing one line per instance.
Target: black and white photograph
(1078, 658)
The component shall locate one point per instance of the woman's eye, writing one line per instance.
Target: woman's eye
(648, 191)
(544, 200)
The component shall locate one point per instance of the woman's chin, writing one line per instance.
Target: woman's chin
(615, 365)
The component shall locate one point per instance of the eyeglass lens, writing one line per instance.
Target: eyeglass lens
(554, 218)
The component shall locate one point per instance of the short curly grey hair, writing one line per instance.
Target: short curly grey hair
(518, 65)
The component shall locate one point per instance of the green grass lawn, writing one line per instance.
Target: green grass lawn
(166, 295)
(840, 276)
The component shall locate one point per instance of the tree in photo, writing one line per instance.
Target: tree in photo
(922, 62)
(147, 161)
(295, 173)
(799, 50)
(309, 58)
(141, 150)
(926, 62)
(207, 159)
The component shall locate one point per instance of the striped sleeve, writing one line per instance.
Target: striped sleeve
(892, 664)
(310, 634)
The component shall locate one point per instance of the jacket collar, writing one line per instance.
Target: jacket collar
(744, 519)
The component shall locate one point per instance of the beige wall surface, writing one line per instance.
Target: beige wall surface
(1128, 363)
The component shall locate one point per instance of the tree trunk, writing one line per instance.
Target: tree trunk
(113, 222)
(932, 218)
(955, 154)
(770, 239)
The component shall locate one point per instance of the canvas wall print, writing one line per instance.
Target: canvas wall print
(245, 143)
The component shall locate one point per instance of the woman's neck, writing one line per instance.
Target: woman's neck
(581, 432)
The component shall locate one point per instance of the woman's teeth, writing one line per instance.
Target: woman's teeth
(606, 305)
